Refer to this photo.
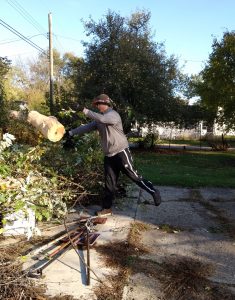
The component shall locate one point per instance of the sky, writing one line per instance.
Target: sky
(186, 27)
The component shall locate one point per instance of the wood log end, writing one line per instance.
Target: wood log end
(14, 114)
(56, 133)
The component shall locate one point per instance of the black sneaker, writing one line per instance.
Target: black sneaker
(157, 198)
(104, 212)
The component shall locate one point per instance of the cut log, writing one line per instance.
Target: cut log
(49, 127)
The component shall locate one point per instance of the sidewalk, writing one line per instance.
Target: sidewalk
(201, 223)
(180, 147)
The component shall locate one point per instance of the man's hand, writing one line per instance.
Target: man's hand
(68, 142)
(79, 107)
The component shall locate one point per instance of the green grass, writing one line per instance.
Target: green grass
(184, 142)
(229, 140)
(193, 142)
(187, 169)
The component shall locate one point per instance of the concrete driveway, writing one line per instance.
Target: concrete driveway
(194, 223)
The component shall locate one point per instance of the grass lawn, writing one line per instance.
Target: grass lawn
(193, 142)
(229, 140)
(184, 142)
(187, 169)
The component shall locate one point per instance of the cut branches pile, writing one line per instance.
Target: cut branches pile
(47, 178)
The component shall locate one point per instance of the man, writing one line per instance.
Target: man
(115, 147)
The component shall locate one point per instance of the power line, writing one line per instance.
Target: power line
(7, 26)
(20, 54)
(58, 42)
(3, 42)
(8, 40)
(64, 37)
(31, 20)
(26, 15)
(190, 60)
(68, 38)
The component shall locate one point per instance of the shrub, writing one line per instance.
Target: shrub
(149, 141)
(217, 143)
(48, 178)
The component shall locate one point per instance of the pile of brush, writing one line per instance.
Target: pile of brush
(14, 284)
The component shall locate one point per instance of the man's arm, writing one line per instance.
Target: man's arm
(83, 129)
(109, 118)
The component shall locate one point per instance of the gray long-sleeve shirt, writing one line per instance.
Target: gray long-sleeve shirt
(109, 125)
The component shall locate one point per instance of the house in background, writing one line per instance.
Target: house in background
(170, 131)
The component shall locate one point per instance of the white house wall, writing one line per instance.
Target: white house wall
(170, 131)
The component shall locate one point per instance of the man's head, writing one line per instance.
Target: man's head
(102, 102)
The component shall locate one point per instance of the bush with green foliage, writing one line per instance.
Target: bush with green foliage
(48, 178)
(217, 143)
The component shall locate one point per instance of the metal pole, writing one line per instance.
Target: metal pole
(51, 64)
(88, 259)
(200, 128)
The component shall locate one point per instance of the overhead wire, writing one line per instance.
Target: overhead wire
(20, 54)
(8, 40)
(7, 26)
(57, 42)
(57, 36)
(26, 16)
(68, 38)
(17, 40)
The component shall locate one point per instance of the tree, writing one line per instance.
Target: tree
(4, 68)
(5, 65)
(123, 61)
(64, 69)
(189, 116)
(216, 84)
(66, 93)
(30, 82)
(14, 84)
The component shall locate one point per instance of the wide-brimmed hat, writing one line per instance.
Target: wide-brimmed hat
(101, 99)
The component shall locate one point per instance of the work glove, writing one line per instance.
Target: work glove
(68, 142)
(79, 107)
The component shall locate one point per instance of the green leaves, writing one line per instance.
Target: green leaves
(4, 169)
(46, 177)
(30, 186)
(123, 61)
(217, 85)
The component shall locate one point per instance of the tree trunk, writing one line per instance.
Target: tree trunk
(49, 127)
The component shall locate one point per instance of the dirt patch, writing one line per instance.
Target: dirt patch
(225, 225)
(185, 278)
(182, 278)
(120, 255)
(14, 283)
(135, 233)
(169, 228)
(113, 289)
(66, 297)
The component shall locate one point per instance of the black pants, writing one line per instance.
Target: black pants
(112, 167)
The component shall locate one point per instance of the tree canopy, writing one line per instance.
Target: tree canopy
(216, 82)
(4, 68)
(123, 61)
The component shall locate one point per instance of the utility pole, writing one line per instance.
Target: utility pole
(51, 65)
